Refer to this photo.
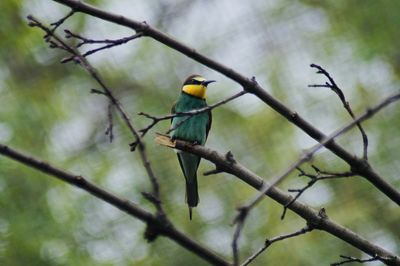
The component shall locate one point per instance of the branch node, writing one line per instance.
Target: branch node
(150, 197)
(249, 86)
(217, 170)
(96, 91)
(322, 213)
(230, 158)
(349, 259)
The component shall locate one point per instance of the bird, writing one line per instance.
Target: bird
(193, 129)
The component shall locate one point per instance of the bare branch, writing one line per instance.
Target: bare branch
(159, 223)
(244, 210)
(349, 259)
(249, 85)
(239, 226)
(269, 242)
(335, 88)
(189, 114)
(58, 42)
(109, 130)
(317, 220)
(320, 175)
(269, 189)
(62, 20)
(110, 43)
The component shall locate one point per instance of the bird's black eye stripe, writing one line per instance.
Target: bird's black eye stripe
(196, 82)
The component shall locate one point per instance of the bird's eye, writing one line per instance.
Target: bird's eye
(196, 82)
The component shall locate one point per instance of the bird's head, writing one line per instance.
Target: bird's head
(196, 86)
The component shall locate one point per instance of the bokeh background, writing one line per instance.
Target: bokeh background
(46, 110)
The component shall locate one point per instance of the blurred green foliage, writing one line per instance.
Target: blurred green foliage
(46, 110)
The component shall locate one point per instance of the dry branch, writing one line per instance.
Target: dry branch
(314, 178)
(156, 222)
(223, 164)
(349, 259)
(57, 42)
(359, 165)
(335, 88)
(269, 242)
(310, 215)
(189, 114)
(246, 208)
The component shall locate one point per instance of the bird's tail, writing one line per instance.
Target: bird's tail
(189, 164)
(192, 194)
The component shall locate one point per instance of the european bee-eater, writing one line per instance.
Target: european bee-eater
(192, 129)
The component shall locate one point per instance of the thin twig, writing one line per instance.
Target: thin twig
(156, 222)
(110, 43)
(335, 88)
(109, 130)
(317, 220)
(62, 20)
(236, 235)
(269, 242)
(156, 119)
(248, 84)
(58, 42)
(349, 259)
(244, 210)
(320, 175)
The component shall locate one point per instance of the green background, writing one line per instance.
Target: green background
(46, 110)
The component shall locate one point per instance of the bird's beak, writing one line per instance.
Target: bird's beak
(206, 82)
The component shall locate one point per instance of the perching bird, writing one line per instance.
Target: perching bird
(192, 129)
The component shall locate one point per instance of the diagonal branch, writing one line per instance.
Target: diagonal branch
(349, 259)
(269, 242)
(248, 84)
(157, 222)
(320, 175)
(57, 42)
(245, 209)
(335, 88)
(189, 114)
(109, 43)
(312, 217)
(316, 220)
(59, 22)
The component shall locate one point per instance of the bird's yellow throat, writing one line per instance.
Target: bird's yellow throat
(195, 90)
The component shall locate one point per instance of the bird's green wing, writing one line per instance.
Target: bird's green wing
(209, 123)
(173, 110)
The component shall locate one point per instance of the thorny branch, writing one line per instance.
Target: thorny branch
(349, 259)
(56, 42)
(269, 242)
(318, 176)
(335, 88)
